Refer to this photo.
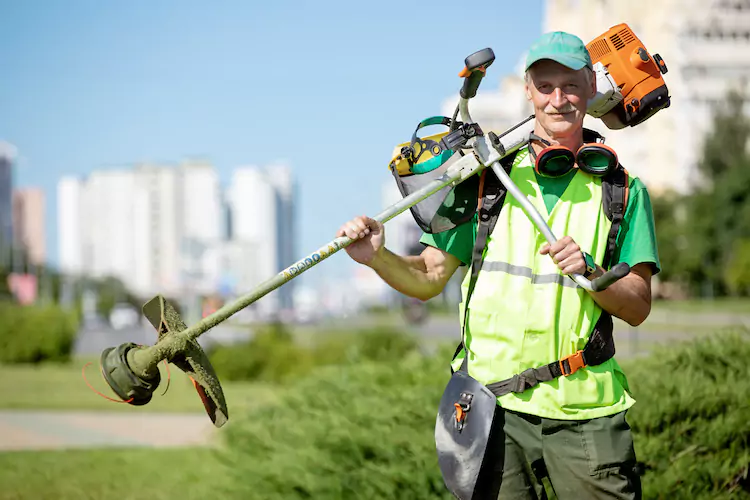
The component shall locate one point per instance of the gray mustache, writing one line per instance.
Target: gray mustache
(566, 109)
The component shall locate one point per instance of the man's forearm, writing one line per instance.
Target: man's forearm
(407, 274)
(629, 298)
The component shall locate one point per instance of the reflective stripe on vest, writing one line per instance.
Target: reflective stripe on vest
(524, 313)
(539, 279)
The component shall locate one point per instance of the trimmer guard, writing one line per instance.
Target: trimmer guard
(470, 455)
(193, 361)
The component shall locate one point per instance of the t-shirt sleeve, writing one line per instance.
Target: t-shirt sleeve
(636, 240)
(458, 241)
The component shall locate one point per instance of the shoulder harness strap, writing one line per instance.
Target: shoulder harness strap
(615, 190)
(491, 197)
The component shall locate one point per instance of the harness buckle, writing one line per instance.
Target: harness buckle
(574, 363)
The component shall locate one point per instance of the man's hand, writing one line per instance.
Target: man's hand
(629, 298)
(369, 236)
(422, 276)
(567, 255)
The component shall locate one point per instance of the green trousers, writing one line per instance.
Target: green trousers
(578, 460)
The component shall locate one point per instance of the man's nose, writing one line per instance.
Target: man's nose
(558, 99)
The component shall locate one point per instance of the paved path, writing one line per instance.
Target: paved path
(40, 430)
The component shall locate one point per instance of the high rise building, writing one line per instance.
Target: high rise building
(115, 228)
(69, 225)
(280, 177)
(7, 157)
(706, 46)
(161, 229)
(160, 243)
(261, 201)
(28, 223)
(122, 223)
(199, 216)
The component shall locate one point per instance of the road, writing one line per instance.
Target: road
(95, 340)
(47, 430)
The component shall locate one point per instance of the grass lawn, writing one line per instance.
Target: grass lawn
(61, 386)
(184, 473)
(726, 305)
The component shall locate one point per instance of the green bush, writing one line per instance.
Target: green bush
(361, 431)
(272, 355)
(692, 418)
(32, 334)
(373, 344)
(367, 430)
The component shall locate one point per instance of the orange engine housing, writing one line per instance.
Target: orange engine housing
(637, 74)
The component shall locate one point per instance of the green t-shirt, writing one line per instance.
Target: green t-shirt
(636, 240)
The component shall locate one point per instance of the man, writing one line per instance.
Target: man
(572, 430)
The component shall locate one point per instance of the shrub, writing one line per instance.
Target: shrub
(272, 355)
(373, 344)
(366, 430)
(692, 418)
(32, 334)
(363, 431)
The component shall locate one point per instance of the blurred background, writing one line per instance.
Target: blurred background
(194, 151)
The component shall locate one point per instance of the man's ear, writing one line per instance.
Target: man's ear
(593, 85)
(526, 84)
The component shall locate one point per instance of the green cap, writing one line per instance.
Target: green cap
(560, 47)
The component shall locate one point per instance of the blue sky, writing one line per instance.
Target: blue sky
(327, 87)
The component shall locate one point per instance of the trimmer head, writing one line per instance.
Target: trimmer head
(123, 381)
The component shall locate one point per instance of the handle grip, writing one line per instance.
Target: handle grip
(605, 280)
(475, 69)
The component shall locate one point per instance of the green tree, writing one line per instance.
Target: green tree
(737, 271)
(723, 207)
(702, 247)
(670, 234)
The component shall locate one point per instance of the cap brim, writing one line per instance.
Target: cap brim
(569, 62)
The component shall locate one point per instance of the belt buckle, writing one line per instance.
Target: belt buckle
(575, 363)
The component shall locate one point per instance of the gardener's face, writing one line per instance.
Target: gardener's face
(560, 96)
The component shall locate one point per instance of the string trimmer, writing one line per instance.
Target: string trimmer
(628, 93)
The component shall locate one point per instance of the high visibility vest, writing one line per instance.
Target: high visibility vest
(524, 313)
